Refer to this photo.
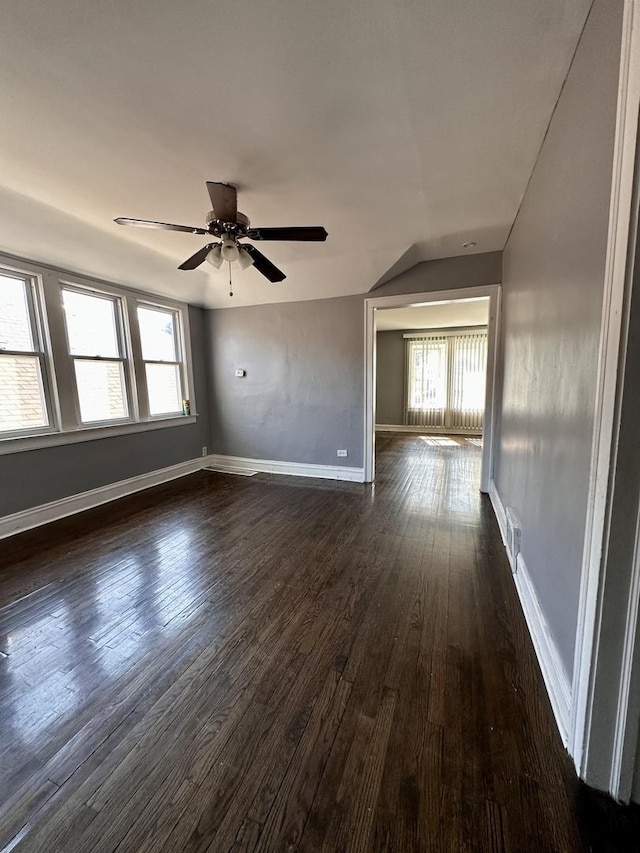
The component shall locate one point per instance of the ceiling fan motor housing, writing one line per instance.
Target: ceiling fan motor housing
(218, 226)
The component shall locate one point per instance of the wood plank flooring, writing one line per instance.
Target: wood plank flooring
(265, 664)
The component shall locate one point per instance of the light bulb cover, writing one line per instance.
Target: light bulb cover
(229, 250)
(215, 257)
(244, 258)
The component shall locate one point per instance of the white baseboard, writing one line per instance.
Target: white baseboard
(36, 516)
(45, 513)
(296, 469)
(499, 510)
(425, 429)
(553, 672)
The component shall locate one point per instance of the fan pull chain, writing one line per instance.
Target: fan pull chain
(230, 290)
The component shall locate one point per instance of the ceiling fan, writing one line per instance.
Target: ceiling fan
(226, 222)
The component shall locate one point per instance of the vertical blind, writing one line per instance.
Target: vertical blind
(446, 380)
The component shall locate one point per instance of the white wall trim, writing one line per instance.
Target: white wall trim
(626, 736)
(54, 439)
(499, 510)
(29, 518)
(553, 672)
(606, 423)
(371, 305)
(295, 469)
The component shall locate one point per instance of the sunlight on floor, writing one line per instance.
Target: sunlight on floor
(476, 441)
(442, 441)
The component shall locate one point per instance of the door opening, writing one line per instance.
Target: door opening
(431, 366)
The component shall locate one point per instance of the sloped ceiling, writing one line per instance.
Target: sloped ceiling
(405, 128)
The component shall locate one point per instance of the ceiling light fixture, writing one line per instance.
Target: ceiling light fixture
(244, 259)
(215, 257)
(229, 250)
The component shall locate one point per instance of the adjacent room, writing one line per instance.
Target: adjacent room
(319, 482)
(431, 364)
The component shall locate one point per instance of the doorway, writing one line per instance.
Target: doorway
(439, 340)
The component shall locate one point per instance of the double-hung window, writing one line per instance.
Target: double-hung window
(96, 347)
(162, 353)
(83, 359)
(23, 371)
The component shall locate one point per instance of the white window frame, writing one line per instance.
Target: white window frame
(124, 356)
(181, 351)
(37, 323)
(65, 426)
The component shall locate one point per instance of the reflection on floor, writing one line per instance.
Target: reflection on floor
(438, 440)
(274, 663)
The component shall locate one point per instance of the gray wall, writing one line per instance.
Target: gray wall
(445, 274)
(390, 377)
(553, 274)
(303, 396)
(39, 476)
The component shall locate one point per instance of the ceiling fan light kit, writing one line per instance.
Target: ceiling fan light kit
(229, 250)
(244, 259)
(227, 223)
(215, 257)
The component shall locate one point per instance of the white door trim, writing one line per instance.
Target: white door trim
(625, 745)
(371, 305)
(583, 735)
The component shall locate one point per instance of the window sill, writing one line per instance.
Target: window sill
(51, 439)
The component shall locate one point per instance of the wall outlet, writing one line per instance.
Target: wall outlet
(342, 453)
(240, 373)
(205, 450)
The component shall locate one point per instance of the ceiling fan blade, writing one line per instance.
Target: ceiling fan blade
(145, 223)
(195, 260)
(224, 199)
(264, 265)
(313, 233)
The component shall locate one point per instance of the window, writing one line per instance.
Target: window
(162, 359)
(82, 360)
(23, 402)
(446, 380)
(94, 337)
(428, 371)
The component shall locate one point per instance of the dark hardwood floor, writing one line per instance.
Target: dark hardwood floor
(263, 664)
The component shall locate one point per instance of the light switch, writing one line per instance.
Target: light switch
(241, 373)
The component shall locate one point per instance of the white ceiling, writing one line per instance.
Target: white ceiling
(437, 315)
(400, 126)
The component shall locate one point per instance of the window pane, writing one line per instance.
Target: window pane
(164, 386)
(101, 390)
(91, 324)
(22, 403)
(428, 374)
(157, 333)
(471, 364)
(15, 326)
